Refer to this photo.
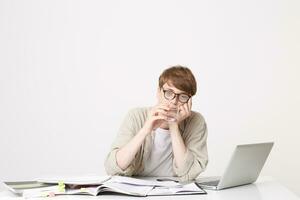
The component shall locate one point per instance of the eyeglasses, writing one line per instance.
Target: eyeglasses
(169, 95)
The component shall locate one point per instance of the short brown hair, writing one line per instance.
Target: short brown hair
(181, 77)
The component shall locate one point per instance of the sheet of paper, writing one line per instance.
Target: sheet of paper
(43, 191)
(76, 180)
(191, 188)
(137, 181)
(124, 188)
(83, 190)
(160, 191)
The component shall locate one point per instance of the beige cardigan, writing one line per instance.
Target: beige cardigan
(194, 134)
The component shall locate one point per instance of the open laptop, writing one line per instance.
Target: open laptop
(244, 167)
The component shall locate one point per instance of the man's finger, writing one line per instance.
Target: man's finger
(159, 117)
(161, 111)
(190, 103)
(162, 106)
(186, 108)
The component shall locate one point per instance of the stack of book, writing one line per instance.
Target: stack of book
(48, 187)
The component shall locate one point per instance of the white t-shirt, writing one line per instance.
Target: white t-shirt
(160, 159)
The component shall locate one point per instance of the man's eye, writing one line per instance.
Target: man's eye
(184, 97)
(169, 93)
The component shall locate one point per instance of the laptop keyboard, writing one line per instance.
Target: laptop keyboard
(210, 183)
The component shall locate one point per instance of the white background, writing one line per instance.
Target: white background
(70, 70)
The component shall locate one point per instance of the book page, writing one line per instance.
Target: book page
(190, 188)
(138, 190)
(136, 181)
(76, 180)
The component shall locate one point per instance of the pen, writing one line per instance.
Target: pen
(166, 179)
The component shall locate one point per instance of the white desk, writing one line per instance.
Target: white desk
(264, 189)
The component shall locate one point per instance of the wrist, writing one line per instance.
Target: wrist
(173, 127)
(145, 131)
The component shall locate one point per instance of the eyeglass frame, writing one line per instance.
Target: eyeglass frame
(175, 95)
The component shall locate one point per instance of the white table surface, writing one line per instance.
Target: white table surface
(265, 188)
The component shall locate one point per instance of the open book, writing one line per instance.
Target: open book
(100, 185)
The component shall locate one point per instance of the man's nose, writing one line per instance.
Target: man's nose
(175, 101)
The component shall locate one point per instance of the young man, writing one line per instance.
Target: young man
(165, 140)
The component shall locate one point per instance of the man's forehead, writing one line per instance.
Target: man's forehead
(170, 86)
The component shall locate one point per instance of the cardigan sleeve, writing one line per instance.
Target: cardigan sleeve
(125, 134)
(196, 156)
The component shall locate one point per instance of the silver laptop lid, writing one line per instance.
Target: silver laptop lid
(245, 164)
